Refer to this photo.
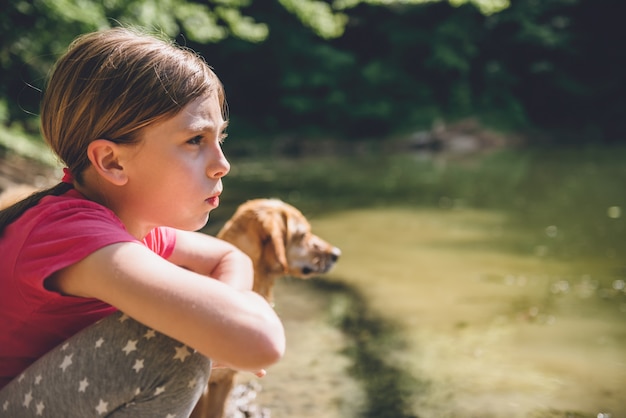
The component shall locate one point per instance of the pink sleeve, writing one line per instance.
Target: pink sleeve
(162, 241)
(59, 238)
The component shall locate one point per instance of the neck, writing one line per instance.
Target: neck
(94, 189)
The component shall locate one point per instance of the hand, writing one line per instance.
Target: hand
(212, 257)
(258, 373)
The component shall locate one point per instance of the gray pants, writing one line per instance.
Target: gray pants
(115, 368)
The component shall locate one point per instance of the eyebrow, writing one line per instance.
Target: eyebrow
(204, 127)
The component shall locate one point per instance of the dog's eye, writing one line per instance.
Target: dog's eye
(297, 236)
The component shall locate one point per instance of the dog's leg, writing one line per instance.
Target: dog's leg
(218, 394)
(201, 408)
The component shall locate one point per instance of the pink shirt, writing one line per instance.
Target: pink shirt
(54, 234)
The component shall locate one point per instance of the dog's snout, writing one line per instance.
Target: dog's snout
(335, 254)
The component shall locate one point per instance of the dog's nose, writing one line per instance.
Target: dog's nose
(335, 254)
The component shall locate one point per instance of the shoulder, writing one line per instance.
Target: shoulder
(57, 232)
(161, 240)
(68, 212)
(71, 205)
(66, 227)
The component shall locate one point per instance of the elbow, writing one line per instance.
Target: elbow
(275, 349)
(270, 337)
(269, 349)
(254, 340)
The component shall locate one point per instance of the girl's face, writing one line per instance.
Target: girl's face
(175, 173)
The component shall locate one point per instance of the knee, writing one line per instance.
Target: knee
(170, 358)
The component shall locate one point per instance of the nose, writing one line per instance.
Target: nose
(335, 254)
(219, 166)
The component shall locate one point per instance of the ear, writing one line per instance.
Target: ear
(104, 156)
(243, 230)
(276, 229)
(258, 233)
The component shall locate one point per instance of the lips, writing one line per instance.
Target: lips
(214, 200)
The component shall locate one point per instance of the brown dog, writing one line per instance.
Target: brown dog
(278, 239)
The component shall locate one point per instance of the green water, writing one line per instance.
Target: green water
(490, 286)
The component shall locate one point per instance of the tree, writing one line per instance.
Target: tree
(34, 33)
(349, 68)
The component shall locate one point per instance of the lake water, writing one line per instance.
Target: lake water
(489, 287)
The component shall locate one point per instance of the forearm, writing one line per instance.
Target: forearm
(238, 328)
(235, 269)
(233, 326)
(214, 258)
(264, 342)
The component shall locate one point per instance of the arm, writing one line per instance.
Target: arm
(213, 257)
(234, 327)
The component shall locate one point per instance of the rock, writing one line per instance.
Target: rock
(241, 402)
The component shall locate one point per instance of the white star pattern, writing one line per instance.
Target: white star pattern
(138, 365)
(102, 407)
(40, 406)
(82, 385)
(28, 399)
(182, 353)
(131, 346)
(66, 362)
(66, 354)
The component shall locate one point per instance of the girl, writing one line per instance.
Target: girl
(109, 304)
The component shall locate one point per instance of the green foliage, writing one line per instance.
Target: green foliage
(195, 19)
(88, 12)
(35, 32)
(318, 15)
(242, 27)
(486, 7)
(360, 68)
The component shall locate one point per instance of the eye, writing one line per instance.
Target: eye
(196, 140)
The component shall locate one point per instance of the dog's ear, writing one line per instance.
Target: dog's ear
(244, 231)
(260, 233)
(274, 229)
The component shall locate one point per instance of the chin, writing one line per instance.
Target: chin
(191, 224)
(202, 223)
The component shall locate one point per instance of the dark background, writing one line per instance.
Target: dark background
(550, 66)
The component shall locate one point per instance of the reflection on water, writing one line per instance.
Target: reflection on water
(505, 286)
(494, 333)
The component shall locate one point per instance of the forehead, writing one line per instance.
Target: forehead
(296, 223)
(200, 114)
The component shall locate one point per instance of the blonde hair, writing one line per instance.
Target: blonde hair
(109, 85)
